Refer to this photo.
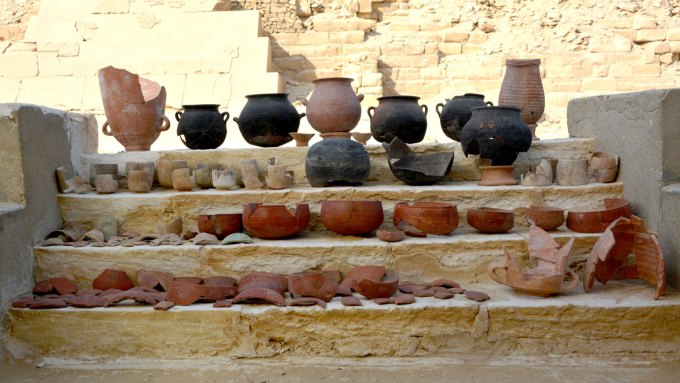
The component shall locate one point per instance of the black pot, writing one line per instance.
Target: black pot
(203, 126)
(457, 111)
(266, 119)
(337, 161)
(497, 133)
(398, 116)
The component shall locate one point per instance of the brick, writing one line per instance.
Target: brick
(661, 48)
(599, 84)
(456, 37)
(285, 38)
(64, 92)
(19, 64)
(296, 62)
(49, 64)
(620, 70)
(675, 47)
(666, 58)
(673, 34)
(424, 61)
(600, 70)
(648, 35)
(478, 37)
(432, 74)
(472, 49)
(311, 38)
(431, 48)
(433, 26)
(412, 50)
(372, 79)
(408, 74)
(647, 70)
(644, 22)
(392, 50)
(395, 61)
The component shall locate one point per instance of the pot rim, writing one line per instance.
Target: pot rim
(522, 62)
(184, 106)
(351, 202)
(485, 209)
(470, 95)
(399, 97)
(496, 108)
(426, 205)
(266, 95)
(545, 209)
(347, 79)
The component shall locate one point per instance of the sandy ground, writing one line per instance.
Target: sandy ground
(428, 370)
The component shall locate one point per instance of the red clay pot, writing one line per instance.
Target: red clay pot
(351, 217)
(315, 284)
(275, 221)
(545, 217)
(490, 221)
(220, 225)
(597, 221)
(333, 106)
(380, 288)
(422, 218)
(112, 279)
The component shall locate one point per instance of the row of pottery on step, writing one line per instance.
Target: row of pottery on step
(601, 167)
(610, 258)
(135, 107)
(163, 290)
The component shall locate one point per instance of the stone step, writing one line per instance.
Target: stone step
(463, 256)
(141, 212)
(464, 168)
(617, 320)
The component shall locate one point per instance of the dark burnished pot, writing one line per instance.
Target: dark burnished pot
(398, 116)
(267, 119)
(457, 112)
(337, 161)
(203, 126)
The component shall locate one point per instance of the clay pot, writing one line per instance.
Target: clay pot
(224, 179)
(301, 139)
(572, 172)
(522, 88)
(545, 217)
(333, 106)
(268, 119)
(457, 111)
(351, 217)
(315, 284)
(496, 133)
(165, 169)
(220, 225)
(497, 175)
(275, 221)
(183, 180)
(380, 288)
(97, 169)
(398, 116)
(134, 107)
(337, 161)
(361, 138)
(597, 221)
(417, 169)
(423, 218)
(604, 166)
(112, 279)
(490, 221)
(203, 126)
(105, 183)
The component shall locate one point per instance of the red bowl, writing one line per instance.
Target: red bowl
(352, 217)
(422, 218)
(491, 221)
(220, 225)
(545, 217)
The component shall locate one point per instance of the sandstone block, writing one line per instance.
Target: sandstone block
(661, 48)
(673, 34)
(599, 84)
(310, 38)
(414, 50)
(675, 47)
(392, 50)
(62, 92)
(352, 37)
(478, 37)
(293, 63)
(562, 85)
(600, 70)
(647, 70)
(648, 35)
(372, 79)
(620, 70)
(404, 26)
(407, 74)
(49, 64)
(644, 22)
(472, 49)
(20, 64)
(451, 48)
(666, 58)
(432, 74)
(285, 38)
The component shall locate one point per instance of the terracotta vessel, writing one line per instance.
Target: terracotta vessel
(378, 288)
(597, 221)
(301, 139)
(333, 106)
(337, 161)
(361, 138)
(572, 172)
(547, 278)
(541, 176)
(457, 112)
(423, 218)
(315, 284)
(390, 235)
(268, 119)
(604, 166)
(97, 169)
(545, 217)
(522, 88)
(351, 217)
(134, 107)
(183, 180)
(165, 169)
(398, 116)
(275, 221)
(224, 179)
(220, 225)
(490, 221)
(610, 257)
(105, 184)
(202, 125)
(112, 279)
(139, 176)
(417, 169)
(496, 133)
(497, 176)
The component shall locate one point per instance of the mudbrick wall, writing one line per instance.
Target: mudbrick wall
(440, 48)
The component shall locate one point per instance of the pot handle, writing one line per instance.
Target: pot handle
(235, 119)
(106, 129)
(369, 110)
(494, 275)
(165, 125)
(178, 115)
(489, 103)
(301, 115)
(572, 285)
(424, 108)
(225, 116)
(360, 97)
(439, 109)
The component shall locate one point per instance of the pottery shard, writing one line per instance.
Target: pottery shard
(424, 293)
(164, 305)
(444, 295)
(183, 293)
(384, 288)
(108, 292)
(202, 239)
(220, 281)
(363, 272)
(222, 304)
(43, 287)
(445, 283)
(61, 286)
(154, 279)
(307, 301)
(390, 235)
(48, 303)
(439, 289)
(87, 301)
(136, 295)
(313, 284)
(112, 279)
(477, 296)
(23, 302)
(350, 301)
(410, 288)
(343, 291)
(89, 292)
(260, 295)
(383, 301)
(456, 290)
(404, 299)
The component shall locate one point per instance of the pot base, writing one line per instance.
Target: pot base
(497, 175)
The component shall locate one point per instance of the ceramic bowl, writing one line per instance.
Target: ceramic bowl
(545, 217)
(490, 220)
(220, 225)
(422, 218)
(351, 217)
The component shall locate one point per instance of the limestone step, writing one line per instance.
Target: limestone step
(141, 212)
(463, 256)
(464, 168)
(618, 320)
